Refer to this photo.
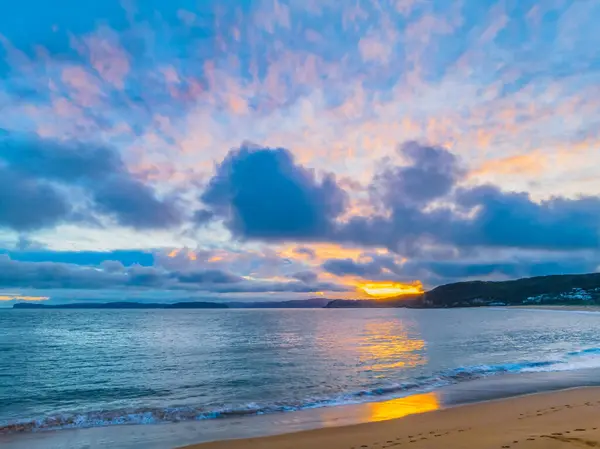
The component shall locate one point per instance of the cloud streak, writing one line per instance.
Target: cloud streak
(43, 169)
(123, 128)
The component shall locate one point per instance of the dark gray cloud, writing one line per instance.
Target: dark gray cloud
(525, 265)
(431, 173)
(343, 267)
(112, 275)
(480, 216)
(305, 276)
(487, 266)
(135, 204)
(36, 168)
(50, 275)
(203, 216)
(207, 276)
(263, 193)
(48, 159)
(307, 251)
(28, 204)
(513, 220)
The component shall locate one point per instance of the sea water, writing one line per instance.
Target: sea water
(62, 369)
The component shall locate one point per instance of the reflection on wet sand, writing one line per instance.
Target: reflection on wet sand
(398, 408)
(380, 411)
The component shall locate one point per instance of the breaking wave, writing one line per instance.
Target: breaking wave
(572, 360)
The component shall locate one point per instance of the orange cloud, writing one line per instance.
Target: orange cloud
(524, 164)
(324, 251)
(9, 297)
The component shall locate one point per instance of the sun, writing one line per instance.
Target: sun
(390, 289)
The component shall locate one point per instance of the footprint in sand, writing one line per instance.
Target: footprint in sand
(581, 441)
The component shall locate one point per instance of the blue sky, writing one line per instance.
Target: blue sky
(286, 149)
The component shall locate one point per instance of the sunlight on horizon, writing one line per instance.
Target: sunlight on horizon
(391, 289)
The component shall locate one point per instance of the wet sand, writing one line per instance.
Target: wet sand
(418, 410)
(563, 419)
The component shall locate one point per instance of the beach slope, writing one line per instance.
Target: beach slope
(569, 418)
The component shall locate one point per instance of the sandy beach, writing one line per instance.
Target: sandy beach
(567, 418)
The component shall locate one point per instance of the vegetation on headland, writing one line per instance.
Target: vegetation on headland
(572, 289)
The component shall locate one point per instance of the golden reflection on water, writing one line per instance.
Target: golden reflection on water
(390, 345)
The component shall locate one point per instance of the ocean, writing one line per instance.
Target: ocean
(79, 369)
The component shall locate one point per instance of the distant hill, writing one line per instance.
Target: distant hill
(312, 303)
(122, 305)
(413, 301)
(557, 289)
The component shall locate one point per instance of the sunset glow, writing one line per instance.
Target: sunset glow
(22, 298)
(249, 149)
(390, 289)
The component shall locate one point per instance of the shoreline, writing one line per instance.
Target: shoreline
(229, 433)
(564, 308)
(565, 418)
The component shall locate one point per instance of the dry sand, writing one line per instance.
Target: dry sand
(569, 418)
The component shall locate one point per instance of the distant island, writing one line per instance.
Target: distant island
(311, 303)
(570, 289)
(121, 305)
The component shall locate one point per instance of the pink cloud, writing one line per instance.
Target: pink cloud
(375, 49)
(106, 55)
(83, 86)
(406, 7)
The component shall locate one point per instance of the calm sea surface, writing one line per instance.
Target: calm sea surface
(87, 368)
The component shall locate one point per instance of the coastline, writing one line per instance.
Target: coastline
(427, 410)
(566, 418)
(570, 367)
(578, 308)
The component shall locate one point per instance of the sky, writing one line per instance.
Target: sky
(256, 150)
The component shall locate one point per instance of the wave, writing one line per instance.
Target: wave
(572, 361)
